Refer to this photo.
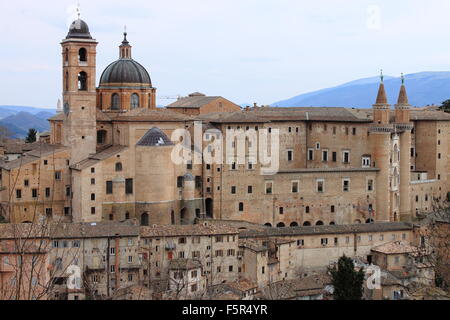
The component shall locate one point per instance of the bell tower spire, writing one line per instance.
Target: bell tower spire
(402, 108)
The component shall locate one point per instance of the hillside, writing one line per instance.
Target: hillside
(424, 88)
(19, 123)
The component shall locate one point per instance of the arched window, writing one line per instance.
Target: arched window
(127, 216)
(307, 224)
(115, 102)
(268, 225)
(66, 81)
(82, 81)
(319, 223)
(294, 224)
(281, 225)
(118, 166)
(144, 219)
(134, 101)
(66, 55)
(82, 55)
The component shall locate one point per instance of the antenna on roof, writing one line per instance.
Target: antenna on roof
(381, 76)
(78, 10)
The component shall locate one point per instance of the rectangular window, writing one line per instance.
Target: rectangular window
(233, 190)
(250, 189)
(354, 131)
(92, 196)
(295, 186)
(109, 187)
(269, 187)
(180, 182)
(19, 194)
(366, 162)
(334, 156)
(58, 175)
(92, 181)
(346, 156)
(198, 182)
(92, 210)
(129, 186)
(66, 211)
(310, 154)
(290, 155)
(68, 191)
(346, 185)
(320, 185)
(324, 241)
(325, 155)
(241, 206)
(370, 185)
(34, 193)
(281, 210)
(26, 183)
(47, 192)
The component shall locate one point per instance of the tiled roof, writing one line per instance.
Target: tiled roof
(94, 230)
(147, 115)
(333, 229)
(395, 247)
(187, 230)
(24, 230)
(194, 101)
(37, 151)
(154, 137)
(94, 159)
(252, 245)
(242, 285)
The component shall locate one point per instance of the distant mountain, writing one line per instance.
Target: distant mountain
(6, 111)
(18, 124)
(424, 88)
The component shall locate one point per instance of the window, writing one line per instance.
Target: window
(92, 210)
(182, 240)
(290, 155)
(307, 209)
(101, 137)
(325, 155)
(219, 253)
(129, 186)
(47, 192)
(45, 162)
(317, 146)
(198, 182)
(241, 206)
(34, 193)
(346, 156)
(346, 185)
(294, 186)
(324, 241)
(49, 212)
(300, 243)
(310, 154)
(115, 102)
(118, 166)
(230, 268)
(370, 185)
(113, 269)
(66, 211)
(92, 181)
(269, 187)
(58, 175)
(180, 182)
(333, 209)
(334, 156)
(281, 210)
(112, 251)
(92, 170)
(68, 191)
(19, 194)
(134, 101)
(109, 187)
(82, 81)
(354, 131)
(26, 183)
(219, 239)
(233, 190)
(366, 162)
(92, 196)
(250, 189)
(82, 55)
(320, 185)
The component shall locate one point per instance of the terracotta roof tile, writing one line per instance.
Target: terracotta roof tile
(187, 230)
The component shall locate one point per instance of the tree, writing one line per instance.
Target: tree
(32, 136)
(445, 106)
(347, 282)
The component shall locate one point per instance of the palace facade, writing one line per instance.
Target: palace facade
(110, 156)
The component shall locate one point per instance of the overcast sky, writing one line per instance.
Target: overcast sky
(245, 50)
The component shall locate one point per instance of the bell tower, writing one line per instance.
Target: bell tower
(79, 91)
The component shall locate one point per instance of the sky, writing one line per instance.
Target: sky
(244, 50)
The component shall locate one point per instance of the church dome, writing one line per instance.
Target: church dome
(125, 71)
(79, 29)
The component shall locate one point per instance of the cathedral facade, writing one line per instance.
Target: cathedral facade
(110, 156)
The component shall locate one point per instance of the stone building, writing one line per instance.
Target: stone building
(116, 152)
(213, 248)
